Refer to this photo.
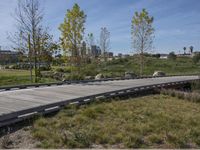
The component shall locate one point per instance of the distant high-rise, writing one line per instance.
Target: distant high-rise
(120, 55)
(95, 50)
(8, 56)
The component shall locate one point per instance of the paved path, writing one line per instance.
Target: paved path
(18, 100)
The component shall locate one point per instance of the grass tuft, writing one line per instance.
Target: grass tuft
(193, 96)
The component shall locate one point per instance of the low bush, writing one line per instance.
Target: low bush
(191, 96)
(196, 58)
(45, 68)
(60, 70)
(47, 74)
(74, 77)
(196, 86)
(53, 75)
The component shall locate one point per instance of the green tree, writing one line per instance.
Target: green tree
(28, 16)
(156, 55)
(191, 49)
(142, 35)
(46, 46)
(83, 52)
(31, 37)
(72, 30)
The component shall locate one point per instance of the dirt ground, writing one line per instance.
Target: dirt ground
(20, 139)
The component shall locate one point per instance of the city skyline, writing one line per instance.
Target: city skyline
(176, 22)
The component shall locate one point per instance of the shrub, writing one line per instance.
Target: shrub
(6, 67)
(195, 85)
(172, 56)
(45, 68)
(88, 72)
(193, 97)
(47, 74)
(156, 55)
(68, 70)
(75, 77)
(196, 58)
(60, 70)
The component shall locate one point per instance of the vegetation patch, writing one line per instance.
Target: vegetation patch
(18, 77)
(149, 122)
(196, 86)
(190, 96)
(117, 67)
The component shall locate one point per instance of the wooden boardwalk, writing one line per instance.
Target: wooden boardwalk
(18, 104)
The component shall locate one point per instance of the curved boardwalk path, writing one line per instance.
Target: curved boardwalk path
(19, 104)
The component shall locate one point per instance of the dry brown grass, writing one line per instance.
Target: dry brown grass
(190, 96)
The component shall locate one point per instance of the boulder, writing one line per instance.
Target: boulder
(129, 75)
(58, 76)
(89, 77)
(99, 76)
(159, 74)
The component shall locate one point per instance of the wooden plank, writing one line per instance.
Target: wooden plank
(28, 98)
(16, 105)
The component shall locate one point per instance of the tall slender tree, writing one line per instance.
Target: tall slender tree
(83, 52)
(28, 15)
(90, 42)
(46, 47)
(72, 31)
(142, 34)
(191, 49)
(105, 42)
(30, 35)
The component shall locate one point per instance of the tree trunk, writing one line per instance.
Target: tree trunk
(141, 63)
(30, 60)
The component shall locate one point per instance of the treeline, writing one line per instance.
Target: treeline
(36, 45)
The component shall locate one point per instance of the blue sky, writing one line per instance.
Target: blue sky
(177, 22)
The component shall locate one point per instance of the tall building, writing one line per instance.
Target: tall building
(120, 55)
(8, 56)
(109, 54)
(95, 50)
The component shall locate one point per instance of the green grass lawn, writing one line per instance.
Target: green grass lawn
(17, 77)
(149, 122)
(9, 72)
